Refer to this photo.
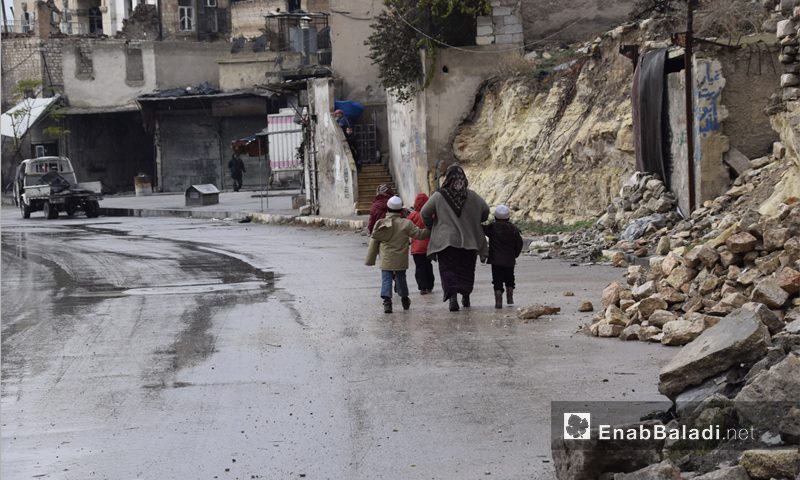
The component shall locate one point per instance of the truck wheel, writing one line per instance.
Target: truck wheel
(70, 210)
(25, 209)
(92, 209)
(50, 211)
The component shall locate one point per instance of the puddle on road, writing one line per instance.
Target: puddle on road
(74, 282)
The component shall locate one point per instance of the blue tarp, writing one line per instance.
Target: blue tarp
(352, 110)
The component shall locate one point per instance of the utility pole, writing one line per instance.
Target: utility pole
(5, 20)
(689, 61)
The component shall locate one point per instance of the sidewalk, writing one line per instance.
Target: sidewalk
(274, 209)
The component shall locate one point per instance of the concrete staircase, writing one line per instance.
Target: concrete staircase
(370, 177)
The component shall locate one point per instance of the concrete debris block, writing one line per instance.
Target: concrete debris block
(748, 277)
(649, 334)
(586, 306)
(773, 323)
(769, 292)
(615, 316)
(792, 319)
(649, 305)
(671, 261)
(661, 317)
(789, 80)
(737, 161)
(741, 242)
(789, 280)
(590, 459)
(775, 238)
(631, 332)
(607, 330)
(708, 256)
(569, 293)
(663, 246)
(680, 332)
(731, 473)
(681, 276)
(786, 28)
(768, 265)
(644, 290)
(535, 311)
(792, 248)
(767, 398)
(665, 470)
(611, 295)
(739, 338)
(789, 427)
(617, 259)
(769, 464)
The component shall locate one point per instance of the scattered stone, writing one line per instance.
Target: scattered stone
(615, 316)
(649, 334)
(586, 306)
(770, 293)
(767, 399)
(680, 332)
(631, 332)
(590, 459)
(789, 427)
(789, 280)
(661, 317)
(731, 473)
(535, 311)
(665, 470)
(663, 246)
(775, 238)
(569, 293)
(741, 242)
(608, 330)
(767, 316)
(681, 276)
(740, 338)
(611, 295)
(649, 305)
(644, 290)
(768, 464)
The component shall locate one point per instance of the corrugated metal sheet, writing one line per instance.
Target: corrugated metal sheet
(283, 146)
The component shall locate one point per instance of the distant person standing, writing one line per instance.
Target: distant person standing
(237, 168)
(341, 119)
(505, 245)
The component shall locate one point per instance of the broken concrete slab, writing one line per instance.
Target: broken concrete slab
(767, 399)
(739, 338)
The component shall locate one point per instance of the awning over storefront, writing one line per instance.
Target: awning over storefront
(17, 120)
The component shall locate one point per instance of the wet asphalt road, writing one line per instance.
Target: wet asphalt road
(180, 349)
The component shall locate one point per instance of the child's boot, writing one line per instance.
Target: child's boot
(387, 305)
(510, 296)
(498, 299)
(406, 303)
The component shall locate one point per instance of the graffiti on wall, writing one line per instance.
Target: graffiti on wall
(708, 95)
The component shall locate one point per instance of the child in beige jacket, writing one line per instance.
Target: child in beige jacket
(390, 239)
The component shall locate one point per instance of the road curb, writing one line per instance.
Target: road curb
(257, 217)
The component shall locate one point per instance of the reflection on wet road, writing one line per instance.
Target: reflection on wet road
(179, 349)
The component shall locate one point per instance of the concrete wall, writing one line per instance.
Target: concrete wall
(21, 61)
(712, 176)
(247, 16)
(747, 95)
(189, 151)
(171, 20)
(246, 69)
(106, 85)
(336, 172)
(407, 147)
(571, 20)
(348, 33)
(180, 64)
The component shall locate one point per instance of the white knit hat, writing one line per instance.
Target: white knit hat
(395, 203)
(501, 212)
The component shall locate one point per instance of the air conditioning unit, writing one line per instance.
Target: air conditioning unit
(211, 3)
(39, 149)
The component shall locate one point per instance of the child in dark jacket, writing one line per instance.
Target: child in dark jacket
(505, 245)
(419, 250)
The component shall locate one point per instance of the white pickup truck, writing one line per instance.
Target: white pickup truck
(49, 184)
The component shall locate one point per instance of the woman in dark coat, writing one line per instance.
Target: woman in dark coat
(454, 215)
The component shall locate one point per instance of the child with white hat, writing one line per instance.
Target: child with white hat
(390, 240)
(505, 245)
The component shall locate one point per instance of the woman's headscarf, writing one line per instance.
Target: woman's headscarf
(454, 188)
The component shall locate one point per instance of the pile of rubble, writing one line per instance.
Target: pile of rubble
(753, 263)
(644, 219)
(732, 297)
(644, 206)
